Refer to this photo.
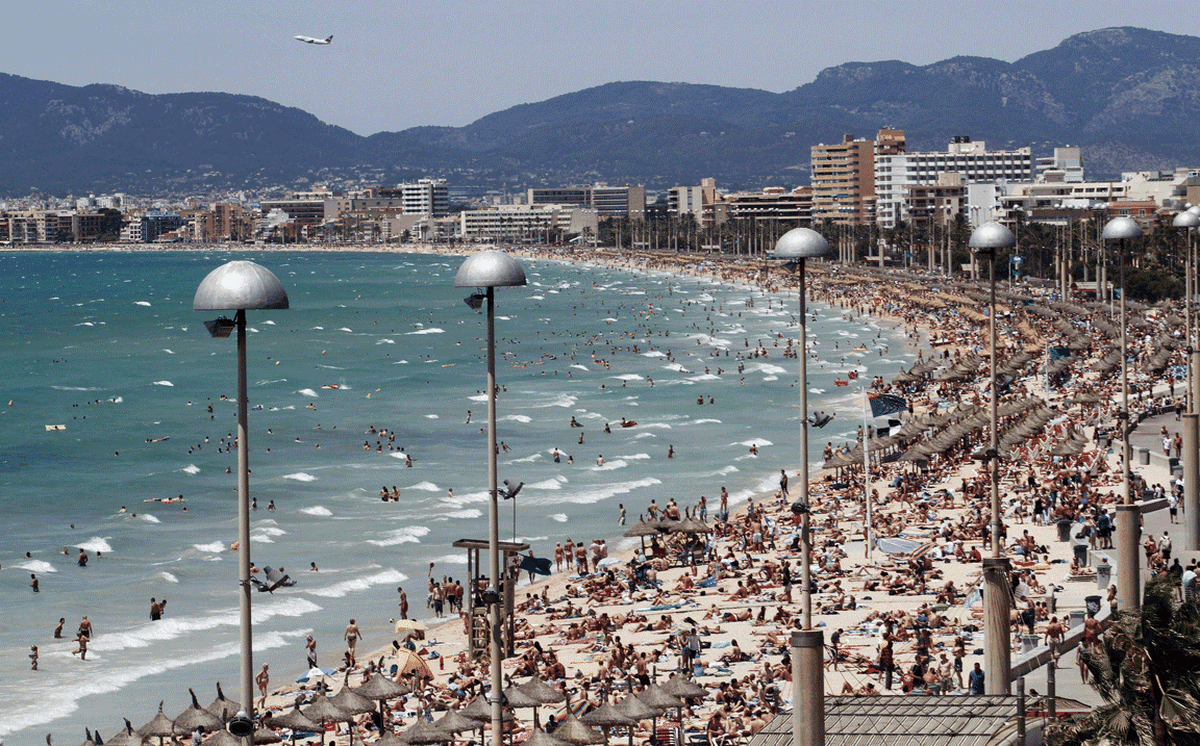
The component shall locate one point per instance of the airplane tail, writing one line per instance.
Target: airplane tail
(329, 38)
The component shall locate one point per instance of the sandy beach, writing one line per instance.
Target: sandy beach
(716, 606)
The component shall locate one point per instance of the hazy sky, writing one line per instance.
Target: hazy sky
(395, 64)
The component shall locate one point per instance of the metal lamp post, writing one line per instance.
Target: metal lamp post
(1128, 567)
(1191, 422)
(985, 241)
(488, 270)
(808, 672)
(241, 286)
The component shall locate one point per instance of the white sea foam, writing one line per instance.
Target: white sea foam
(430, 330)
(426, 486)
(169, 352)
(478, 397)
(611, 465)
(525, 419)
(191, 469)
(308, 392)
(260, 539)
(594, 495)
(636, 456)
(338, 590)
(147, 518)
(85, 323)
(560, 517)
(317, 510)
(705, 421)
(385, 341)
(95, 544)
(168, 577)
(141, 303)
(554, 483)
(212, 548)
(268, 322)
(760, 442)
(33, 565)
(654, 353)
(406, 535)
(431, 417)
(163, 383)
(655, 426)
(301, 476)
(464, 513)
(581, 367)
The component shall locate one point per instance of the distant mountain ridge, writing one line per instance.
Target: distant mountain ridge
(1128, 96)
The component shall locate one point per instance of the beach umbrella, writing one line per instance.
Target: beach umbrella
(196, 716)
(515, 697)
(684, 688)
(351, 701)
(161, 726)
(89, 741)
(654, 696)
(632, 707)
(404, 625)
(454, 722)
(573, 731)
(389, 739)
(323, 711)
(126, 737)
(425, 733)
(381, 688)
(296, 721)
(690, 525)
(542, 692)
(223, 707)
(223, 738)
(641, 528)
(480, 709)
(607, 716)
(265, 735)
(542, 738)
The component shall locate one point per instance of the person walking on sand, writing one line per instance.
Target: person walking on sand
(263, 679)
(351, 634)
(310, 649)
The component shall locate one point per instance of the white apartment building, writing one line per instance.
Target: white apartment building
(523, 222)
(895, 173)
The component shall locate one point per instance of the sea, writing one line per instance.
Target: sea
(114, 396)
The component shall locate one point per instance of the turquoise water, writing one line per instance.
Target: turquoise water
(106, 344)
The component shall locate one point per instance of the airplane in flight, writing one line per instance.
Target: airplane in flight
(310, 40)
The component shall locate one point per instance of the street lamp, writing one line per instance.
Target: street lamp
(241, 286)
(1128, 569)
(1191, 424)
(808, 672)
(486, 271)
(985, 241)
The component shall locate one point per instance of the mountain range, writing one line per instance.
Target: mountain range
(1127, 96)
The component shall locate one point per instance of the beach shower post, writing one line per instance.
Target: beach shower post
(241, 286)
(985, 241)
(808, 644)
(1191, 420)
(488, 270)
(1129, 580)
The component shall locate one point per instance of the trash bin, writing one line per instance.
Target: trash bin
(1064, 529)
(1092, 603)
(1081, 551)
(1103, 575)
(1143, 456)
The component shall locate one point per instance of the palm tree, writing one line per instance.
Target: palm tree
(1147, 669)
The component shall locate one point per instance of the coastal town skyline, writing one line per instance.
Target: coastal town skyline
(467, 70)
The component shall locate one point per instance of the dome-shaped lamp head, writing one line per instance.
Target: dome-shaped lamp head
(237, 286)
(1121, 228)
(801, 243)
(489, 269)
(990, 237)
(1186, 219)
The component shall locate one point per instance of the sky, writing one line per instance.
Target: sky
(396, 64)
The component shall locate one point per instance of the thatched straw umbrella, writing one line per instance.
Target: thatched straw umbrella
(89, 741)
(380, 688)
(222, 706)
(351, 702)
(425, 733)
(607, 716)
(197, 717)
(323, 711)
(296, 721)
(543, 693)
(265, 735)
(573, 731)
(126, 737)
(389, 739)
(454, 722)
(161, 726)
(542, 738)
